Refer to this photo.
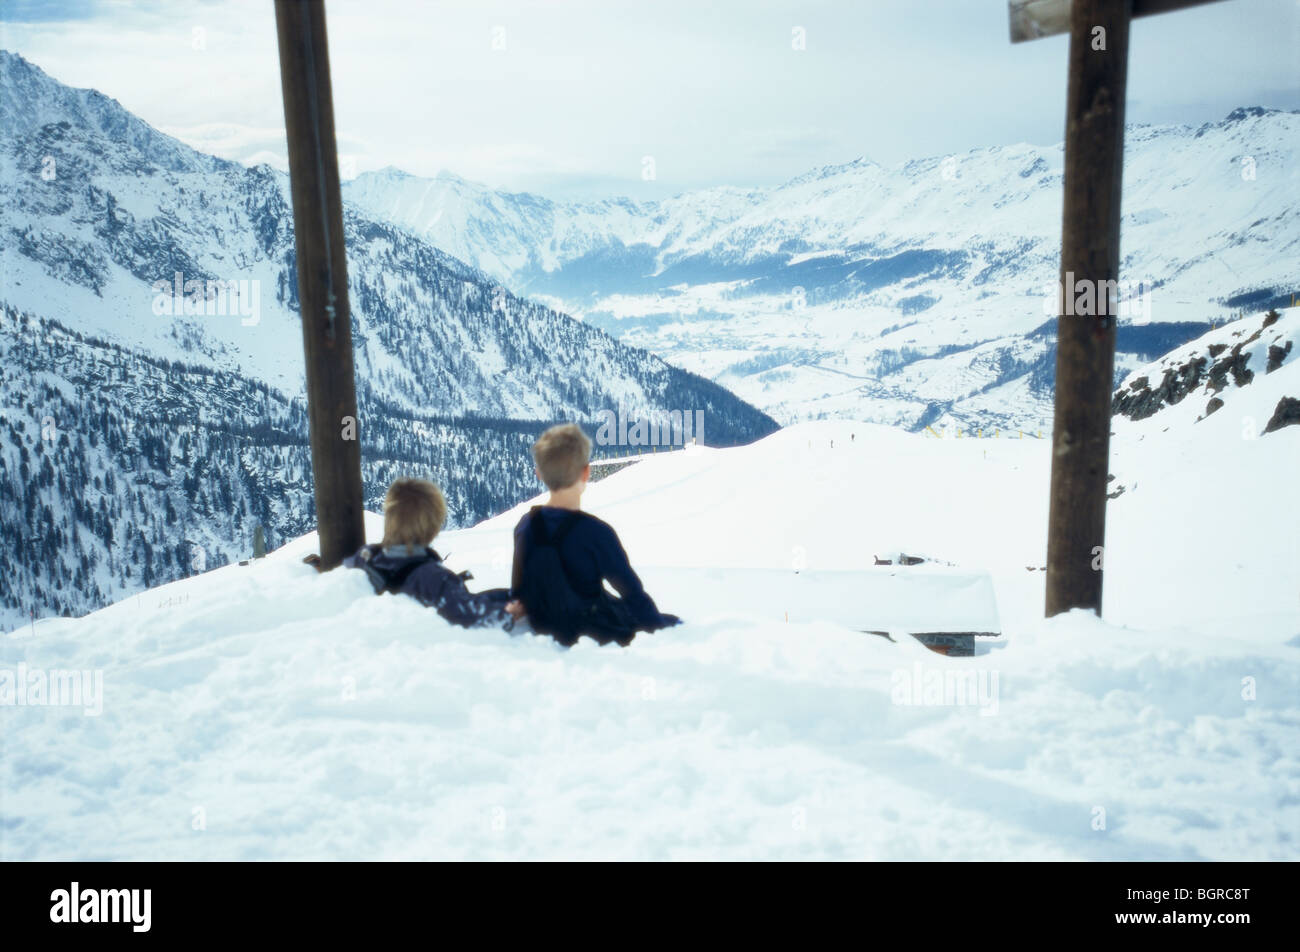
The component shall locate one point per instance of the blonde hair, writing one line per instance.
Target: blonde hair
(561, 453)
(414, 511)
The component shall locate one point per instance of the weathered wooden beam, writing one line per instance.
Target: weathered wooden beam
(1085, 356)
(322, 277)
(1032, 19)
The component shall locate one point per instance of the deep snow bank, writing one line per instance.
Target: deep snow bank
(268, 712)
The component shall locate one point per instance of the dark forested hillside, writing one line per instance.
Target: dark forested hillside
(119, 471)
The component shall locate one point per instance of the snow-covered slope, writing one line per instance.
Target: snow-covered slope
(92, 223)
(269, 712)
(1211, 457)
(1211, 369)
(811, 298)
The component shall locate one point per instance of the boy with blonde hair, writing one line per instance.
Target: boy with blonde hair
(563, 556)
(414, 513)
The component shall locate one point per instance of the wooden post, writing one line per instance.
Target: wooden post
(322, 277)
(1085, 358)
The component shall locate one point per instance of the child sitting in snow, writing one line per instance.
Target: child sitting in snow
(414, 511)
(563, 556)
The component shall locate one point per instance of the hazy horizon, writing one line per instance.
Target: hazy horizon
(576, 100)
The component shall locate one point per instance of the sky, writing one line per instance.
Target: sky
(591, 98)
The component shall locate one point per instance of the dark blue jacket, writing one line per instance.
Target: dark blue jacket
(592, 553)
(438, 587)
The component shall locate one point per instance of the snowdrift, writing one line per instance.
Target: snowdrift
(265, 711)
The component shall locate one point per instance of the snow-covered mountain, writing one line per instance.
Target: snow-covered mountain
(324, 722)
(914, 295)
(148, 317)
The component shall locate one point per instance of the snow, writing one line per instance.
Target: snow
(265, 711)
(996, 209)
(268, 712)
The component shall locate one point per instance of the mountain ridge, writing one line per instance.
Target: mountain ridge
(806, 297)
(134, 293)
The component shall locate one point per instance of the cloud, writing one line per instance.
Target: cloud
(573, 94)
